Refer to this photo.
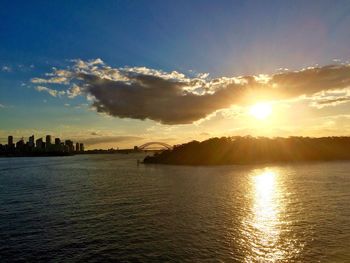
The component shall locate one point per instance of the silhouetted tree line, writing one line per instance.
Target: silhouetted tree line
(252, 150)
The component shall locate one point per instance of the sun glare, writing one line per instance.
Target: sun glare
(261, 110)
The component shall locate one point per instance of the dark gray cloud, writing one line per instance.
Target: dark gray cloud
(312, 80)
(334, 100)
(151, 97)
(331, 102)
(172, 98)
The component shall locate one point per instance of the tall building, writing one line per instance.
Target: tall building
(57, 141)
(69, 145)
(58, 147)
(48, 139)
(81, 146)
(20, 145)
(10, 140)
(77, 147)
(39, 143)
(31, 141)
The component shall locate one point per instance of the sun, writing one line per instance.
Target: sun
(261, 110)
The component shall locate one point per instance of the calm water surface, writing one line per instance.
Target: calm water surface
(104, 207)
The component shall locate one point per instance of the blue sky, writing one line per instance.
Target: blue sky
(222, 38)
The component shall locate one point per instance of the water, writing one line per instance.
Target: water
(93, 208)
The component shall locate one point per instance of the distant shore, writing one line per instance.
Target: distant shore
(88, 152)
(35, 154)
(252, 150)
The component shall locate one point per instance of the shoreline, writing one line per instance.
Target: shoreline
(36, 155)
(290, 162)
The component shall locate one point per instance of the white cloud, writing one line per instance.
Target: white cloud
(330, 98)
(54, 80)
(52, 92)
(6, 69)
(74, 91)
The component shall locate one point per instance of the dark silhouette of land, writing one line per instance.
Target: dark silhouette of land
(39, 147)
(254, 150)
(56, 147)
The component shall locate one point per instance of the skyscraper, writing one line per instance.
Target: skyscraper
(57, 141)
(39, 144)
(20, 145)
(10, 140)
(77, 147)
(31, 141)
(48, 139)
(69, 145)
(81, 147)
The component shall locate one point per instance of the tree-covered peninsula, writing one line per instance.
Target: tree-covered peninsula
(254, 150)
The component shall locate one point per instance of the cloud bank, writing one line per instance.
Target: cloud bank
(174, 98)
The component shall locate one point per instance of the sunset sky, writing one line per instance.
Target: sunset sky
(122, 73)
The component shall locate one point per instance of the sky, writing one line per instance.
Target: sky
(122, 73)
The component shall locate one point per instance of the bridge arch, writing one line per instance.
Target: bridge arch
(146, 145)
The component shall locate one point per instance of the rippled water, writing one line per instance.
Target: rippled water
(104, 207)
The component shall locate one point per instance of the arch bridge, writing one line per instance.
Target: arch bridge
(149, 145)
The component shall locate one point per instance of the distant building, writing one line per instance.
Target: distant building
(57, 141)
(20, 145)
(31, 141)
(59, 147)
(69, 146)
(39, 144)
(10, 141)
(46, 145)
(48, 139)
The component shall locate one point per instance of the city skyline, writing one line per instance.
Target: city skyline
(39, 146)
(119, 74)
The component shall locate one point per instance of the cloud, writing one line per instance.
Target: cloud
(330, 98)
(312, 80)
(6, 69)
(54, 80)
(52, 92)
(335, 101)
(2, 106)
(87, 64)
(58, 76)
(174, 98)
(149, 97)
(74, 91)
(330, 102)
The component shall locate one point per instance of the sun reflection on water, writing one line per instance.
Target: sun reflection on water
(265, 207)
(264, 222)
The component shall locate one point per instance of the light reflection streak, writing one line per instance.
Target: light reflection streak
(264, 221)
